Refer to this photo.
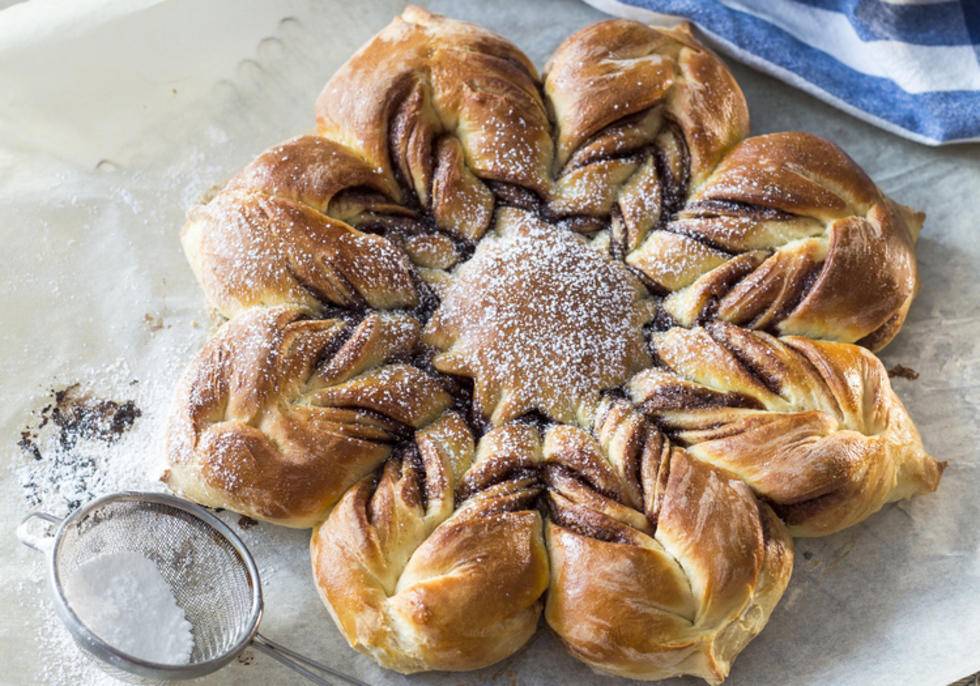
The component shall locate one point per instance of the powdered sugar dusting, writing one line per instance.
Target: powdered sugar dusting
(540, 320)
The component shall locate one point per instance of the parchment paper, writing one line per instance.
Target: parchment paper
(115, 117)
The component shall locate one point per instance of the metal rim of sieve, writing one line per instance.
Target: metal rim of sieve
(102, 650)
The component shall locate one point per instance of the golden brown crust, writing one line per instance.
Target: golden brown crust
(407, 575)
(788, 235)
(616, 69)
(814, 427)
(251, 250)
(673, 583)
(312, 170)
(463, 249)
(781, 232)
(258, 430)
(424, 76)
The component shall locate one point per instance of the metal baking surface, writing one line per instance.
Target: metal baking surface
(114, 121)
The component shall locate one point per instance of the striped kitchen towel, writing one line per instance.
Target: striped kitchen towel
(909, 66)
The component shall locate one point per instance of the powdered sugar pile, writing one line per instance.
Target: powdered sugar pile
(124, 599)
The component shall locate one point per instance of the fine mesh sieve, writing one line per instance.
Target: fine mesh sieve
(210, 571)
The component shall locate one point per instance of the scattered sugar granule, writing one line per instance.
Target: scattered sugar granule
(124, 599)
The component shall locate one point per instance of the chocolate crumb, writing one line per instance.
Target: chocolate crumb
(246, 522)
(63, 440)
(153, 322)
(807, 555)
(28, 445)
(900, 370)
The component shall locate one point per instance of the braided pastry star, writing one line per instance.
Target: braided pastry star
(576, 345)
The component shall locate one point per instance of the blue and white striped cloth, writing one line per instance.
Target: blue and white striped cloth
(909, 66)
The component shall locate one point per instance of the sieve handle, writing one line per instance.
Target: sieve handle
(31, 541)
(300, 663)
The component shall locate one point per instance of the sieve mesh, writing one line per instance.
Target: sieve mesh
(209, 578)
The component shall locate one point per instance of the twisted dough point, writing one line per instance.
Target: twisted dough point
(612, 71)
(421, 584)
(260, 429)
(814, 427)
(661, 565)
(254, 250)
(424, 77)
(789, 234)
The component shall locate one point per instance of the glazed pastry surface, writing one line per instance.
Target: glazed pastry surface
(570, 345)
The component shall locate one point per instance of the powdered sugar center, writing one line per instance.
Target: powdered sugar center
(540, 320)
